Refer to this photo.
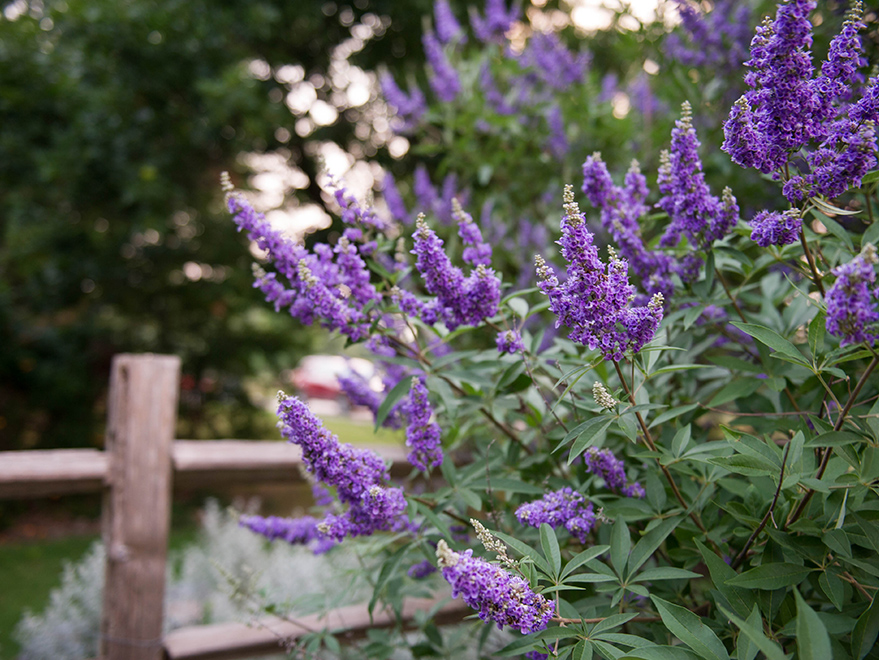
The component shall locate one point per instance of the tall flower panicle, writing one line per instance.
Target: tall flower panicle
(493, 592)
(776, 228)
(351, 470)
(693, 211)
(459, 300)
(595, 299)
(621, 207)
(853, 300)
(493, 26)
(423, 435)
(562, 508)
(353, 212)
(380, 509)
(444, 79)
(718, 39)
(476, 250)
(603, 464)
(787, 108)
(295, 531)
(410, 107)
(447, 26)
(394, 200)
(329, 287)
(602, 396)
(551, 61)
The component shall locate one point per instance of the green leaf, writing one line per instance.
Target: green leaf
(741, 599)
(681, 440)
(660, 653)
(582, 650)
(671, 414)
(827, 207)
(745, 648)
(832, 586)
(816, 333)
(754, 633)
(741, 388)
(620, 545)
(519, 307)
(578, 560)
(771, 576)
(400, 390)
(865, 632)
(834, 439)
(470, 498)
(589, 436)
(835, 228)
(773, 340)
(665, 573)
(611, 622)
(649, 543)
(691, 315)
(870, 177)
(750, 466)
(388, 569)
(550, 545)
(813, 642)
(690, 629)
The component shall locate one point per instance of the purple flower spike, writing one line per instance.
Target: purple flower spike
(496, 22)
(853, 300)
(594, 301)
(776, 228)
(394, 200)
(447, 27)
(410, 107)
(423, 436)
(444, 81)
(295, 531)
(421, 570)
(692, 209)
(493, 592)
(562, 508)
(602, 463)
(476, 251)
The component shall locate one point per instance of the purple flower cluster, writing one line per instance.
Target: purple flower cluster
(410, 107)
(493, 592)
(717, 39)
(853, 300)
(603, 464)
(443, 79)
(421, 570)
(295, 531)
(459, 300)
(594, 301)
(437, 202)
(394, 200)
(446, 25)
(562, 508)
(423, 436)
(496, 22)
(551, 61)
(355, 473)
(331, 285)
(692, 209)
(776, 228)
(509, 341)
(353, 213)
(476, 251)
(786, 108)
(621, 207)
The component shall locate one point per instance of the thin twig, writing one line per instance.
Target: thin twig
(825, 459)
(648, 439)
(744, 551)
(815, 276)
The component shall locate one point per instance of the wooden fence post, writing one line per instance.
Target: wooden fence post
(137, 503)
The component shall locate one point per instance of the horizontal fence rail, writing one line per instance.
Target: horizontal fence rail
(39, 473)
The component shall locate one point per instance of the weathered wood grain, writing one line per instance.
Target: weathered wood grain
(137, 503)
(228, 641)
(44, 473)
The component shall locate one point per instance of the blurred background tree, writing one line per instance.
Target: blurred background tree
(117, 119)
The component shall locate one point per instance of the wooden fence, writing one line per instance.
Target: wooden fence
(136, 474)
